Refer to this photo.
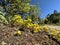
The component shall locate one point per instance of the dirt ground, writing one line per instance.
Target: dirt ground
(53, 27)
(7, 37)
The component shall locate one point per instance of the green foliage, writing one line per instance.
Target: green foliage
(22, 7)
(8, 18)
(34, 13)
(2, 18)
(53, 18)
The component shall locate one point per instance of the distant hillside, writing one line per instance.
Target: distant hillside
(53, 18)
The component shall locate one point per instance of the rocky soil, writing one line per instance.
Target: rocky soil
(8, 37)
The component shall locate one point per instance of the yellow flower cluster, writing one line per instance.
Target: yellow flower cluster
(27, 23)
(17, 20)
(36, 28)
(45, 28)
(18, 33)
(55, 33)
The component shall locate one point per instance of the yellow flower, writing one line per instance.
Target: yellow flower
(18, 32)
(35, 31)
(58, 35)
(25, 21)
(41, 28)
(17, 20)
(29, 25)
(45, 28)
(52, 32)
(38, 27)
(29, 20)
(17, 16)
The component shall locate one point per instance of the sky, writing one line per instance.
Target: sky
(47, 6)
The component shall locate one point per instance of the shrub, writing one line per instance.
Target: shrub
(2, 18)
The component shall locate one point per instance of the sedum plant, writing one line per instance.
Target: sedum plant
(36, 27)
(17, 20)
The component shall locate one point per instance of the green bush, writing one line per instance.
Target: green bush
(2, 18)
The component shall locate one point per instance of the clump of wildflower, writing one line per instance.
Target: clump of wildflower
(19, 32)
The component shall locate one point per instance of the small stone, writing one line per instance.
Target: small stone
(26, 35)
(3, 43)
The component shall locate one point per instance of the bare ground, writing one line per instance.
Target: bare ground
(53, 27)
(7, 37)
